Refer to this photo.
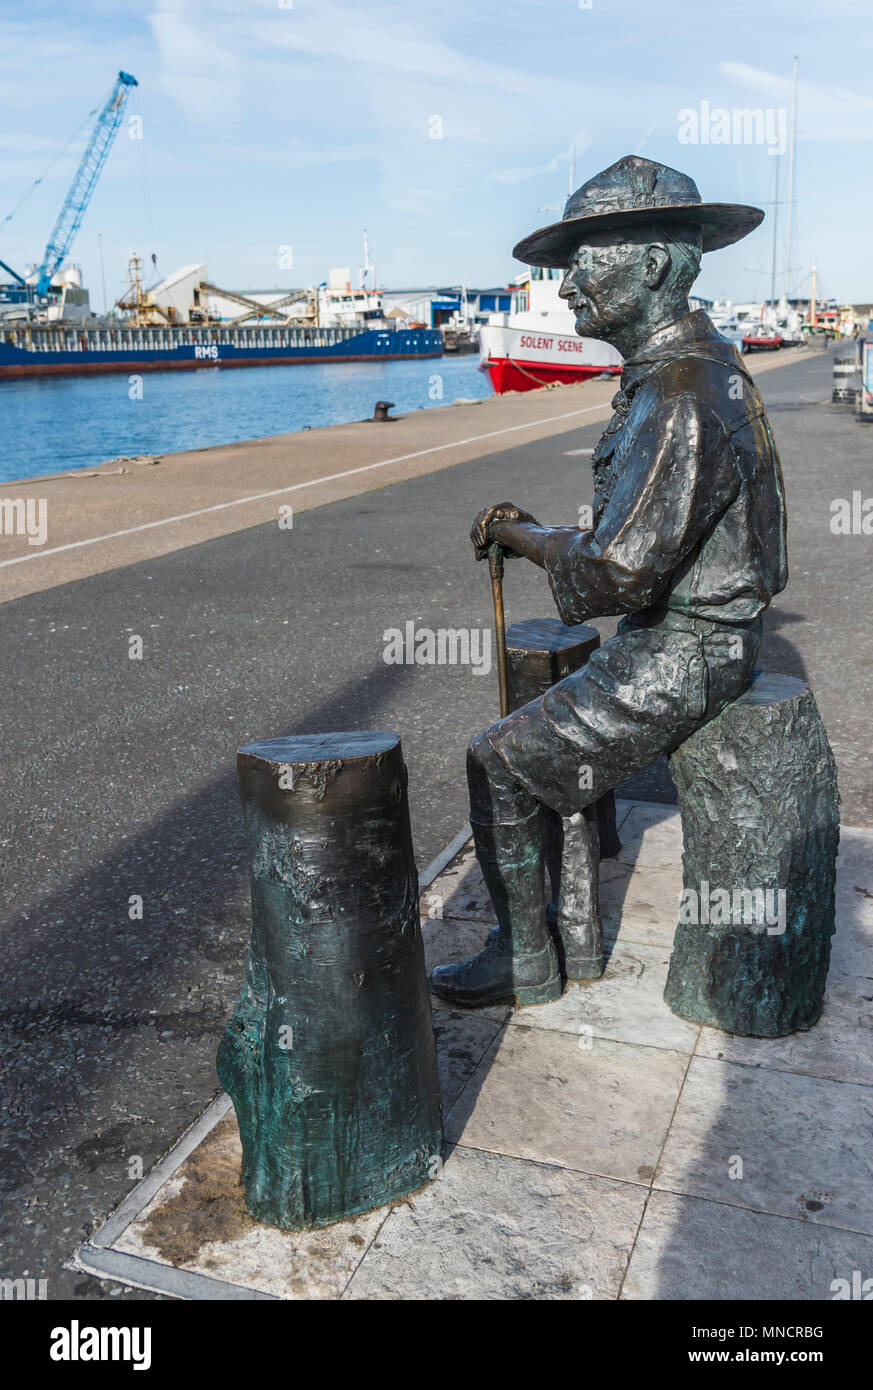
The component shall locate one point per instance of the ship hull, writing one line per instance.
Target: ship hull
(762, 344)
(81, 352)
(522, 359)
(508, 375)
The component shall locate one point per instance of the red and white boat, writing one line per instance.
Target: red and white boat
(537, 344)
(761, 338)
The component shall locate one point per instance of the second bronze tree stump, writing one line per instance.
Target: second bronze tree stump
(330, 1057)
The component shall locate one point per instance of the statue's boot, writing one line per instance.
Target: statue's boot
(519, 962)
(577, 924)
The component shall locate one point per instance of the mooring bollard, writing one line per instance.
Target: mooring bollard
(847, 374)
(760, 822)
(330, 1057)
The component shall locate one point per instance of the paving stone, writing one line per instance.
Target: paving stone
(623, 809)
(692, 1249)
(804, 1143)
(840, 1046)
(198, 1222)
(641, 904)
(651, 835)
(602, 1107)
(626, 1004)
(611, 871)
(459, 892)
(462, 1038)
(852, 947)
(499, 1228)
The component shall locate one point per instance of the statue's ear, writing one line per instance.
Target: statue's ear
(657, 264)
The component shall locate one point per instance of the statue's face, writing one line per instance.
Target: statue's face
(606, 285)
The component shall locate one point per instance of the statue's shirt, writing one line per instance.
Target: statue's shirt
(689, 510)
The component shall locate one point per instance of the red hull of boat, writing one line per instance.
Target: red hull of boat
(510, 375)
(761, 344)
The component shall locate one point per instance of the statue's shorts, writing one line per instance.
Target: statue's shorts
(640, 695)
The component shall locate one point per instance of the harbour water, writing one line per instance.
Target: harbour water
(52, 424)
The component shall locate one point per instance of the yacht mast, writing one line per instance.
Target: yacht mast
(791, 180)
(775, 232)
(812, 302)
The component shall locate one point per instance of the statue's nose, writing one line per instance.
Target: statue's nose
(566, 286)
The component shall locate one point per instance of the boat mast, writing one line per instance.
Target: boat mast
(812, 313)
(366, 270)
(791, 180)
(775, 229)
(137, 297)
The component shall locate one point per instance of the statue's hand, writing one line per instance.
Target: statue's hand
(498, 511)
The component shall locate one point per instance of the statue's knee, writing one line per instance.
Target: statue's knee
(480, 753)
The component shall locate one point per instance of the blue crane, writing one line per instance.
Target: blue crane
(87, 174)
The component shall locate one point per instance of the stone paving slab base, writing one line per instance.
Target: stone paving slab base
(599, 1147)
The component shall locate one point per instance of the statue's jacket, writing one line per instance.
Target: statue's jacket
(688, 544)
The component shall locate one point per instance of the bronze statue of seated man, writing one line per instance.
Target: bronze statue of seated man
(687, 544)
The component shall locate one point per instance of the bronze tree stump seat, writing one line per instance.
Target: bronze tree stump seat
(759, 806)
(329, 1057)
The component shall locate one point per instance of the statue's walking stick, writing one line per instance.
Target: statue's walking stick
(495, 569)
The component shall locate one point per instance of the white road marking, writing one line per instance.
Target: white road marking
(295, 487)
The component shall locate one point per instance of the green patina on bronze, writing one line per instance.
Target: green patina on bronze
(760, 813)
(330, 1057)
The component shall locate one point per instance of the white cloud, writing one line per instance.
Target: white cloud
(572, 152)
(197, 71)
(824, 112)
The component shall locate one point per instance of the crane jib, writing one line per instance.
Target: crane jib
(76, 202)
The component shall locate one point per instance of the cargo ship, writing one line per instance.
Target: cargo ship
(183, 323)
(68, 349)
(47, 327)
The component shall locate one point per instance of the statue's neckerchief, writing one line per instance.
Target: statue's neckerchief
(601, 459)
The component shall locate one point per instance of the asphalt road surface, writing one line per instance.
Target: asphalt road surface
(119, 773)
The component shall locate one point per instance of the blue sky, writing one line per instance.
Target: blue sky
(270, 123)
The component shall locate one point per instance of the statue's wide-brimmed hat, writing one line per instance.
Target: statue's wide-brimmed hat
(632, 191)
